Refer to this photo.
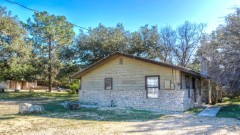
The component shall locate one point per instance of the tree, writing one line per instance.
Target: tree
(229, 37)
(168, 39)
(69, 66)
(15, 50)
(100, 42)
(145, 42)
(222, 51)
(50, 33)
(188, 39)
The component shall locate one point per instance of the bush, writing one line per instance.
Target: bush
(74, 88)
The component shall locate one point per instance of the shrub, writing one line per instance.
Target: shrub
(74, 88)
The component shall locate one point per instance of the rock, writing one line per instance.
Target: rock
(17, 90)
(30, 108)
(71, 105)
(1, 90)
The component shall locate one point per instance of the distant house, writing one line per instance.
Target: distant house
(16, 85)
(125, 80)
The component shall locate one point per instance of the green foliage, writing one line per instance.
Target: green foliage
(101, 41)
(64, 75)
(227, 100)
(49, 34)
(167, 45)
(15, 49)
(74, 88)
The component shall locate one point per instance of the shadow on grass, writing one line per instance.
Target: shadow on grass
(55, 110)
(13, 96)
(7, 118)
(35, 97)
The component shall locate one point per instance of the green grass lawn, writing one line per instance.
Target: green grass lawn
(230, 108)
(54, 109)
(194, 110)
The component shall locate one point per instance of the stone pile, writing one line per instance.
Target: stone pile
(71, 105)
(25, 108)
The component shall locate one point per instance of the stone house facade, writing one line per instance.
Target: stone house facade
(124, 80)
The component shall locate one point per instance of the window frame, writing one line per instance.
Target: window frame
(105, 85)
(146, 87)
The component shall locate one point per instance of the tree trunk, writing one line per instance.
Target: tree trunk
(15, 84)
(50, 66)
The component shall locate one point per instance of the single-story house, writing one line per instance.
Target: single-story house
(17, 84)
(125, 80)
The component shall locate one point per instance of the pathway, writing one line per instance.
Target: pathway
(209, 111)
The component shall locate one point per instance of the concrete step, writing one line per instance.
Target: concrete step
(209, 111)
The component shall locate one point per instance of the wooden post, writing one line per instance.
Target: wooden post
(209, 92)
(201, 86)
(217, 93)
(221, 91)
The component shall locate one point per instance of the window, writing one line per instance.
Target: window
(152, 84)
(108, 83)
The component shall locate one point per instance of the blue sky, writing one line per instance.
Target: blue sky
(132, 13)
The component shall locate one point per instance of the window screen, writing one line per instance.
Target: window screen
(108, 83)
(152, 86)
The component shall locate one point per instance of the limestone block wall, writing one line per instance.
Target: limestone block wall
(188, 100)
(170, 100)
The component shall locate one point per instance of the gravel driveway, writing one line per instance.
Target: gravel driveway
(182, 124)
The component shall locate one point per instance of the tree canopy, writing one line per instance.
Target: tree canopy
(49, 33)
(15, 49)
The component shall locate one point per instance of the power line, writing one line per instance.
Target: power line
(21, 5)
(12, 2)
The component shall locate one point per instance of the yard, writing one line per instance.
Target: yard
(57, 120)
(230, 108)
